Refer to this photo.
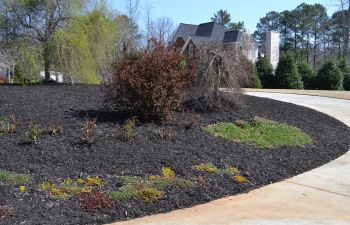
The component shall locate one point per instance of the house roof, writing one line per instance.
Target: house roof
(232, 36)
(212, 30)
(184, 31)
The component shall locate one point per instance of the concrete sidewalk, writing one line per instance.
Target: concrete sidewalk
(320, 196)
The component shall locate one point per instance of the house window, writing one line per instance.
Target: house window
(190, 51)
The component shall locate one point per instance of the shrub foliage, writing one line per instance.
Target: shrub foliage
(346, 72)
(287, 75)
(152, 83)
(306, 72)
(330, 77)
(264, 70)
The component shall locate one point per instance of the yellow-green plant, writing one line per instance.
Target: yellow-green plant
(208, 167)
(168, 172)
(128, 132)
(241, 179)
(33, 133)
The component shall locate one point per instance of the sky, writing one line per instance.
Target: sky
(200, 11)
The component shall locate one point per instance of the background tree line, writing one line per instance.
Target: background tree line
(310, 33)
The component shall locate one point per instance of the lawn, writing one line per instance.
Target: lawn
(69, 160)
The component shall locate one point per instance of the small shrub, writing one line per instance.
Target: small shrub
(88, 135)
(193, 120)
(33, 133)
(254, 81)
(68, 187)
(168, 172)
(91, 202)
(241, 179)
(151, 84)
(164, 133)
(8, 126)
(55, 130)
(264, 70)
(149, 194)
(344, 67)
(22, 189)
(306, 72)
(208, 167)
(14, 178)
(330, 77)
(231, 170)
(287, 75)
(128, 132)
(201, 181)
(124, 194)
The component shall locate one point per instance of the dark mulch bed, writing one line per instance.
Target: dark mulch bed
(65, 155)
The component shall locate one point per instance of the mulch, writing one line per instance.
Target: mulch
(65, 155)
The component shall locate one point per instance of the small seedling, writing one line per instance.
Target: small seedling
(8, 126)
(88, 131)
(55, 130)
(33, 133)
(128, 132)
(193, 120)
(22, 189)
(164, 134)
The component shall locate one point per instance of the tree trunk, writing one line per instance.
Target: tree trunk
(307, 48)
(315, 50)
(47, 62)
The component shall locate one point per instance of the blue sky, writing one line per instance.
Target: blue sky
(200, 11)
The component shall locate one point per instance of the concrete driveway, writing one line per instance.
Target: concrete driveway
(320, 196)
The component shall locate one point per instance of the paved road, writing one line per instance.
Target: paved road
(318, 197)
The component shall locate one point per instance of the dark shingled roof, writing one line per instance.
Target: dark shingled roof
(212, 29)
(232, 36)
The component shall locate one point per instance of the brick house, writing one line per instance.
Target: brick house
(188, 38)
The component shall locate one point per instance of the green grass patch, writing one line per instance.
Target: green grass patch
(14, 178)
(261, 133)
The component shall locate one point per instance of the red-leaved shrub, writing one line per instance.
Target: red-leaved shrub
(91, 202)
(151, 83)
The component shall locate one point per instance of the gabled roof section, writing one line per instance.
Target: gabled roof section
(212, 29)
(184, 31)
(233, 36)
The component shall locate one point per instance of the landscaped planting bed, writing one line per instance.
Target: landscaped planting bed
(67, 160)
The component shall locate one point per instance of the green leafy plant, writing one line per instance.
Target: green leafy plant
(14, 178)
(151, 189)
(33, 133)
(261, 133)
(128, 132)
(70, 187)
(344, 67)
